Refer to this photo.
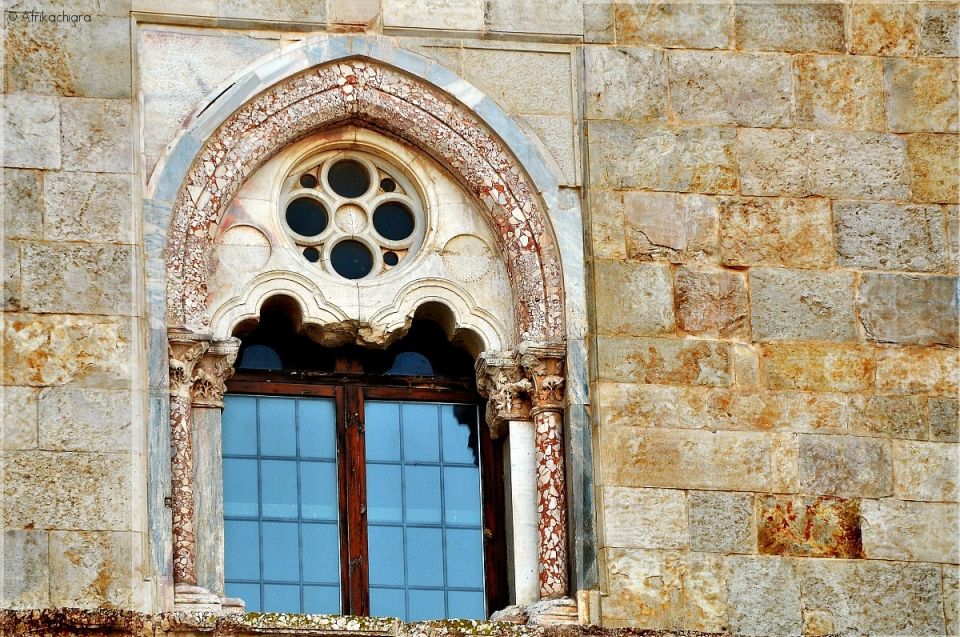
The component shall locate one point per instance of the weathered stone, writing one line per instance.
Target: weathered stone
(703, 25)
(918, 370)
(77, 278)
(951, 598)
(953, 237)
(763, 596)
(888, 416)
(557, 134)
(671, 227)
(91, 569)
(19, 418)
(840, 92)
(88, 207)
(818, 367)
(541, 81)
(711, 302)
(527, 16)
(921, 94)
(805, 526)
(775, 231)
(303, 11)
(719, 409)
(746, 366)
(692, 159)
(925, 471)
(801, 305)
(31, 129)
(845, 466)
(868, 597)
(664, 360)
(944, 419)
(721, 522)
(625, 84)
(933, 167)
(22, 204)
(84, 419)
(12, 288)
(606, 224)
(352, 11)
(46, 490)
(885, 28)
(97, 135)
(890, 236)
(911, 531)
(633, 299)
(789, 27)
(26, 579)
(664, 590)
(627, 404)
(939, 30)
(731, 88)
(910, 309)
(93, 351)
(644, 518)
(434, 14)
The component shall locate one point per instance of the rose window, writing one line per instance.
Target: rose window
(352, 214)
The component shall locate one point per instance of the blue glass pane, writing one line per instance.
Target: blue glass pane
(281, 598)
(461, 495)
(424, 557)
(242, 549)
(384, 502)
(240, 487)
(321, 600)
(410, 364)
(317, 429)
(382, 431)
(278, 427)
(421, 436)
(281, 551)
(426, 605)
(464, 558)
(278, 479)
(319, 494)
(239, 425)
(249, 593)
(466, 605)
(385, 546)
(460, 439)
(321, 553)
(388, 602)
(421, 487)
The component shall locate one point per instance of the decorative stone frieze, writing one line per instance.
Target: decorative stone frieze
(501, 381)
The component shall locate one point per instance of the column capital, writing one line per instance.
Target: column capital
(544, 364)
(185, 349)
(211, 374)
(501, 380)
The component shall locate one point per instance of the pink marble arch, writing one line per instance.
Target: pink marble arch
(373, 94)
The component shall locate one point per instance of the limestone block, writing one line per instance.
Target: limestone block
(870, 597)
(306, 11)
(666, 361)
(26, 578)
(845, 466)
(890, 236)
(711, 302)
(83, 419)
(925, 471)
(690, 159)
(19, 418)
(352, 11)
(889, 416)
(785, 463)
(817, 366)
(953, 236)
(83, 59)
(12, 290)
(951, 599)
(746, 366)
(775, 231)
(789, 27)
(933, 167)
(88, 207)
(944, 419)
(763, 595)
(92, 351)
(46, 490)
(557, 134)
(801, 305)
(663, 226)
(31, 129)
(696, 25)
(448, 15)
(541, 82)
(721, 522)
(911, 531)
(606, 224)
(840, 92)
(625, 83)
(77, 278)
(598, 22)
(921, 94)
(626, 404)
(806, 526)
(910, 309)
(745, 89)
(644, 518)
(563, 17)
(918, 370)
(96, 135)
(22, 204)
(664, 590)
(633, 299)
(90, 569)
(939, 30)
(719, 409)
(885, 28)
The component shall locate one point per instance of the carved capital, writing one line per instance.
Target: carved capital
(544, 365)
(501, 381)
(185, 350)
(211, 374)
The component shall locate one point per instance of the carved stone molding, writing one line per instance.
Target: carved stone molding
(213, 371)
(544, 364)
(185, 350)
(501, 381)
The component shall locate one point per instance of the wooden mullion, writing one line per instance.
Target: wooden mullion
(356, 522)
(344, 500)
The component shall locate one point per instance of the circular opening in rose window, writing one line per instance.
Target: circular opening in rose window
(393, 221)
(348, 178)
(351, 259)
(307, 217)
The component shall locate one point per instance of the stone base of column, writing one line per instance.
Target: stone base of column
(546, 612)
(233, 606)
(196, 599)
